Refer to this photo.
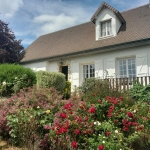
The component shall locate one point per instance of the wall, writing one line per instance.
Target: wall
(37, 66)
(103, 61)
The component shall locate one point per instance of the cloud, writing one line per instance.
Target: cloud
(50, 23)
(9, 7)
(55, 16)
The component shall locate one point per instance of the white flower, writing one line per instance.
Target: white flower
(38, 107)
(16, 78)
(97, 123)
(103, 142)
(4, 83)
(99, 134)
(134, 111)
(104, 137)
(116, 131)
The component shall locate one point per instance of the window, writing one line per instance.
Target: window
(88, 71)
(127, 67)
(106, 28)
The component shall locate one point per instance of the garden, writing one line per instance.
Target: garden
(39, 112)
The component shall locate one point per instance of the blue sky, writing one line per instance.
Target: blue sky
(31, 18)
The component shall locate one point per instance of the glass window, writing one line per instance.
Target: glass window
(106, 28)
(127, 68)
(88, 71)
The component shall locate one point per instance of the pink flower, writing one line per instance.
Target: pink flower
(47, 127)
(101, 147)
(74, 144)
(99, 100)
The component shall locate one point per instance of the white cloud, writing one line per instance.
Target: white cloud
(50, 23)
(9, 7)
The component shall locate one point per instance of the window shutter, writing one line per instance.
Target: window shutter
(75, 75)
(110, 68)
(99, 69)
(142, 65)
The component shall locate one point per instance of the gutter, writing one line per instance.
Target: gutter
(95, 50)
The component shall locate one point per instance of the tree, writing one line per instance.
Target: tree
(11, 50)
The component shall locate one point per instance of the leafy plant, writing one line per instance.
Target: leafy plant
(15, 77)
(51, 79)
(140, 92)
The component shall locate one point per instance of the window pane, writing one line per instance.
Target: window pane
(89, 71)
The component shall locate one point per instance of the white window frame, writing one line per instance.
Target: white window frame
(88, 71)
(127, 67)
(106, 28)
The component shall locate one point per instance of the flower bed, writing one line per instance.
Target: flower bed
(38, 118)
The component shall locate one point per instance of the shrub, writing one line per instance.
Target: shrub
(140, 92)
(51, 79)
(108, 124)
(94, 89)
(30, 111)
(67, 90)
(15, 77)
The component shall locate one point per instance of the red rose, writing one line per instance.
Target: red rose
(107, 133)
(77, 132)
(74, 144)
(130, 114)
(125, 128)
(92, 110)
(63, 115)
(101, 147)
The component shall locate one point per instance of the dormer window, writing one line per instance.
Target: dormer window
(106, 28)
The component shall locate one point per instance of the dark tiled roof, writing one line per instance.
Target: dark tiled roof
(103, 5)
(82, 37)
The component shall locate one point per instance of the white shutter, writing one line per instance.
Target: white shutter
(75, 75)
(99, 69)
(110, 68)
(142, 65)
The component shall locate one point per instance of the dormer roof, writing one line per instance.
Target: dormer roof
(105, 5)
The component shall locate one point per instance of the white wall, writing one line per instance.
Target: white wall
(109, 60)
(36, 66)
(103, 61)
(106, 14)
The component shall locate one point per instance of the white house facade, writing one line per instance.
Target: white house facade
(112, 45)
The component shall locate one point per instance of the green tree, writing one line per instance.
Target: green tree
(11, 50)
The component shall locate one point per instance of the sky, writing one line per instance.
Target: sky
(30, 19)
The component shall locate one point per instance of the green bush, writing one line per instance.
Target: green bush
(140, 92)
(67, 90)
(51, 79)
(15, 77)
(94, 89)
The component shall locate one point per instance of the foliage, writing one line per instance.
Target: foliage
(30, 111)
(107, 124)
(15, 77)
(94, 89)
(11, 50)
(67, 90)
(51, 79)
(140, 92)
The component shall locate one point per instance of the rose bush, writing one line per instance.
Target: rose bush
(110, 123)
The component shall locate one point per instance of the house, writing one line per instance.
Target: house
(112, 45)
